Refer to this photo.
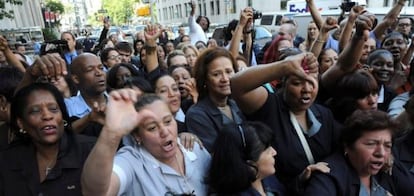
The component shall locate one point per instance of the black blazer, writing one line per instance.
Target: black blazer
(205, 120)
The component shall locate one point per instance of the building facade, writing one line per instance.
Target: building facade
(222, 11)
(218, 11)
(29, 14)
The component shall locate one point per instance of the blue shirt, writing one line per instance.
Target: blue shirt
(69, 56)
(77, 106)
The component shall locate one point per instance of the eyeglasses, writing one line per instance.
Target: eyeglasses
(170, 193)
(180, 65)
(113, 57)
(404, 24)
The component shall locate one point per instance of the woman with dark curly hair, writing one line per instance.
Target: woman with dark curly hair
(45, 155)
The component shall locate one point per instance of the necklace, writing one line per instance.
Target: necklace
(49, 164)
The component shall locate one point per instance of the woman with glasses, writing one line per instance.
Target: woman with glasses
(154, 164)
(110, 57)
(243, 162)
(214, 109)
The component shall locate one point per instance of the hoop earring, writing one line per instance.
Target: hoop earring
(65, 123)
(22, 131)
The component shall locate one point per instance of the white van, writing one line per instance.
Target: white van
(271, 20)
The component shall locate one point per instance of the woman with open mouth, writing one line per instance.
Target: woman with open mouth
(156, 163)
(360, 168)
(290, 113)
(45, 157)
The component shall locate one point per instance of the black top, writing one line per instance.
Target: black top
(19, 169)
(291, 158)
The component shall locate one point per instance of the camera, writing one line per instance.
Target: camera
(55, 46)
(257, 14)
(347, 5)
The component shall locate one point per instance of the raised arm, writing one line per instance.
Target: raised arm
(152, 32)
(349, 57)
(316, 16)
(246, 85)
(389, 19)
(347, 30)
(121, 118)
(243, 27)
(8, 53)
(317, 46)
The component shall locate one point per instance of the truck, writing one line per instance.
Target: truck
(299, 6)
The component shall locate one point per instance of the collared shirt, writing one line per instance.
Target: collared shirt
(396, 106)
(140, 173)
(69, 56)
(180, 116)
(77, 106)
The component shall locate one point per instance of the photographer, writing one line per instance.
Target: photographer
(242, 30)
(71, 52)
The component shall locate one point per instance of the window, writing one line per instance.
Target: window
(249, 3)
(218, 7)
(205, 9)
(233, 6)
(266, 20)
(212, 7)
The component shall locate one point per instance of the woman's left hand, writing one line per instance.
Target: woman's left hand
(307, 172)
(188, 139)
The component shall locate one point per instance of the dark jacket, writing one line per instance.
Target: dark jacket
(343, 180)
(205, 120)
(291, 157)
(19, 169)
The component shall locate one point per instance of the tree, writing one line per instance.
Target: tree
(8, 13)
(55, 6)
(120, 11)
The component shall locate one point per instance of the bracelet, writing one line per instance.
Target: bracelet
(319, 41)
(247, 32)
(150, 48)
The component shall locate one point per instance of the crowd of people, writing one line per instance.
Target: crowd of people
(329, 115)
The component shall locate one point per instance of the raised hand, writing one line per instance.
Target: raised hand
(120, 115)
(329, 24)
(49, 65)
(246, 17)
(152, 32)
(98, 113)
(4, 45)
(363, 25)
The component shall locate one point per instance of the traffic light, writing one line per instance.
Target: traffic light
(144, 10)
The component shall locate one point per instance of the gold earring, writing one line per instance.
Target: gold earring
(22, 131)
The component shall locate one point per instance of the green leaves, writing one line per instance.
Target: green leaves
(8, 13)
